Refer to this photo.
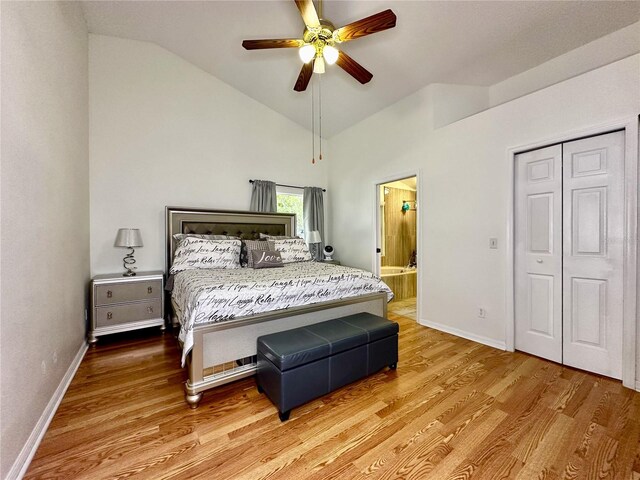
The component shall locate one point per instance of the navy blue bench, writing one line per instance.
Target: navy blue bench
(299, 365)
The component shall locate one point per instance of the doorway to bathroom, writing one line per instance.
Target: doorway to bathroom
(397, 241)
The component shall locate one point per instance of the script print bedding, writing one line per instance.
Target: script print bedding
(203, 296)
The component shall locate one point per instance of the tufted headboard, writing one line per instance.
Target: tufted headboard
(245, 225)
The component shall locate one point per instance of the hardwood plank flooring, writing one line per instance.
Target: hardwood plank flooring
(453, 409)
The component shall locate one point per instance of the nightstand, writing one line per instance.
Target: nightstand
(120, 304)
(332, 262)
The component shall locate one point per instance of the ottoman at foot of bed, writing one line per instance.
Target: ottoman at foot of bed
(193, 399)
(284, 416)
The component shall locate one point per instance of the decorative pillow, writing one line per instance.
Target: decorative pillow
(293, 250)
(244, 252)
(266, 259)
(194, 253)
(178, 237)
(260, 245)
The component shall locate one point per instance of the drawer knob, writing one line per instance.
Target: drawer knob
(109, 294)
(149, 290)
(149, 309)
(109, 315)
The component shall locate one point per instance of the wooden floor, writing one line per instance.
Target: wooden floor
(453, 409)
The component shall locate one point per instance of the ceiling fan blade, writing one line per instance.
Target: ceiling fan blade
(353, 68)
(308, 12)
(272, 43)
(304, 77)
(366, 26)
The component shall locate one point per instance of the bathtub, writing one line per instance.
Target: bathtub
(401, 280)
(384, 271)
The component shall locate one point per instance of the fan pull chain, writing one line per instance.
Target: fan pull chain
(320, 111)
(313, 126)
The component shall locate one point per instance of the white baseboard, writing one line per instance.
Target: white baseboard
(461, 333)
(637, 385)
(21, 464)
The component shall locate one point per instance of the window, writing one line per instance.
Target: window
(290, 201)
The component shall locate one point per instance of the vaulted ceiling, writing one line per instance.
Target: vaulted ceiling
(470, 42)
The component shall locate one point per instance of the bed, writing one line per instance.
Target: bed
(219, 345)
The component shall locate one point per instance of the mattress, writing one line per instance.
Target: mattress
(209, 296)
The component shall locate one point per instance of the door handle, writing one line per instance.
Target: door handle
(539, 260)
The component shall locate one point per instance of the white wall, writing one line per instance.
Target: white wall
(464, 191)
(45, 213)
(450, 103)
(602, 51)
(164, 132)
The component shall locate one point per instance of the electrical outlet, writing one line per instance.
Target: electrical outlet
(482, 313)
(43, 366)
(493, 243)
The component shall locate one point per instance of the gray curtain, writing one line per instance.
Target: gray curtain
(313, 202)
(263, 196)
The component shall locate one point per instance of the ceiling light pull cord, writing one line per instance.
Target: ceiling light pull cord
(320, 113)
(313, 126)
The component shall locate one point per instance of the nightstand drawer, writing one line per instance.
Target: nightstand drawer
(132, 312)
(126, 292)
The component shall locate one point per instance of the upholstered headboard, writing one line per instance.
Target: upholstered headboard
(245, 225)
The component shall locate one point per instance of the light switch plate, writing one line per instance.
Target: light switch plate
(493, 243)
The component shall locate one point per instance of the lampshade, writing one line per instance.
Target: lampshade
(318, 65)
(313, 237)
(128, 237)
(307, 52)
(330, 54)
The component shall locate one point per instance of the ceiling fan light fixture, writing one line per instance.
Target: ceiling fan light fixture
(330, 54)
(320, 34)
(307, 52)
(318, 65)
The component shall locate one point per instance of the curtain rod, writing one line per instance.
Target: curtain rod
(290, 186)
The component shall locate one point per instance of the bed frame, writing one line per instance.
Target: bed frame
(226, 351)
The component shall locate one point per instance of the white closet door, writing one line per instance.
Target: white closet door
(593, 211)
(538, 262)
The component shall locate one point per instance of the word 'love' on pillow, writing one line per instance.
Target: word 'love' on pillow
(246, 260)
(266, 259)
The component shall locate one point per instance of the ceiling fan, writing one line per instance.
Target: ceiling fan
(319, 40)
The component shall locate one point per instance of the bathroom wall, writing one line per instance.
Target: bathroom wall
(400, 227)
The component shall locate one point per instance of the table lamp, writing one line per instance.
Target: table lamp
(313, 238)
(128, 238)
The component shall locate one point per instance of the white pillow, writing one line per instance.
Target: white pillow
(194, 253)
(178, 237)
(293, 250)
(277, 237)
